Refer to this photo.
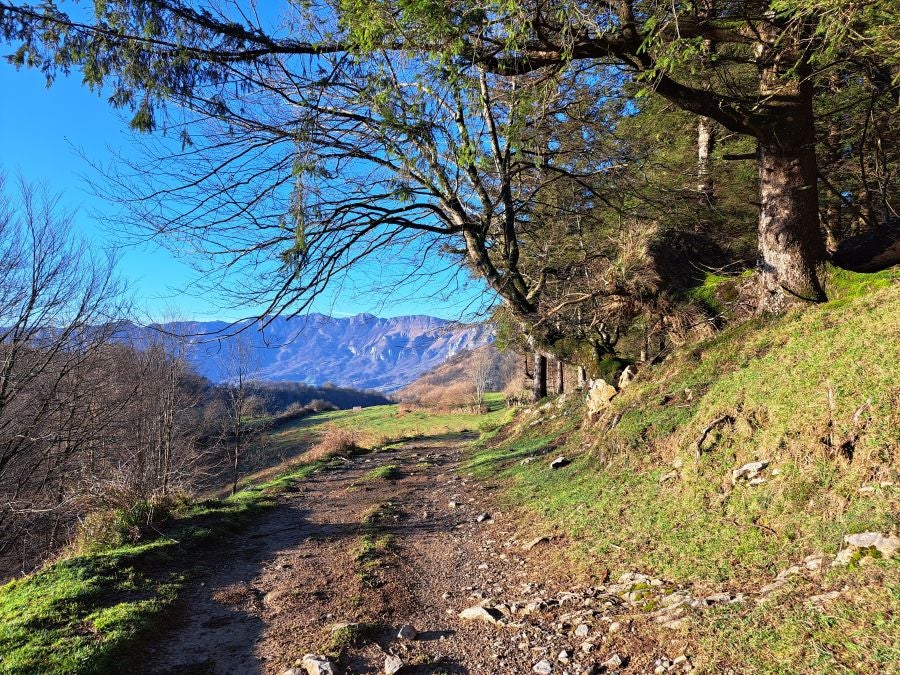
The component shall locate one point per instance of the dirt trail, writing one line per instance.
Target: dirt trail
(275, 592)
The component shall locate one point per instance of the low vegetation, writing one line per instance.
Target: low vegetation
(86, 612)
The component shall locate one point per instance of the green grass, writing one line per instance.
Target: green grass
(389, 424)
(855, 633)
(385, 472)
(350, 635)
(792, 386)
(374, 543)
(87, 613)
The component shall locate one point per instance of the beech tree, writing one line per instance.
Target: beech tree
(759, 81)
(264, 103)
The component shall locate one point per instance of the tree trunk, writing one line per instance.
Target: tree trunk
(539, 383)
(706, 141)
(560, 377)
(791, 245)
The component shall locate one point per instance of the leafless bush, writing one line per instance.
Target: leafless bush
(88, 423)
(334, 441)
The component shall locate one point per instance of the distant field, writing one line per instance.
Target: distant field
(385, 424)
(285, 445)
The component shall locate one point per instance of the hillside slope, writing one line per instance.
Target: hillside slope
(452, 382)
(651, 487)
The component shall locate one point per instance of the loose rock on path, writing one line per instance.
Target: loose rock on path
(373, 574)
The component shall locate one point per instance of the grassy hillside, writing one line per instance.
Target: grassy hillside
(815, 394)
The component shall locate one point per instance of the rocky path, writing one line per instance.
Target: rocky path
(350, 557)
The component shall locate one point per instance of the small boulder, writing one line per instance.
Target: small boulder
(582, 630)
(599, 396)
(392, 664)
(483, 517)
(615, 661)
(560, 462)
(316, 664)
(867, 542)
(479, 613)
(543, 667)
(534, 542)
(748, 472)
(627, 376)
(407, 632)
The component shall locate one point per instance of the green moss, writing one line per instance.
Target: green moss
(611, 367)
(351, 635)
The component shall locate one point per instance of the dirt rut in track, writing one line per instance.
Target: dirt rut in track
(383, 552)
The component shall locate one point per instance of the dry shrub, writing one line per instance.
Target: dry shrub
(335, 440)
(454, 396)
(108, 528)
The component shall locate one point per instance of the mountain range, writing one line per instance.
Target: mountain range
(362, 351)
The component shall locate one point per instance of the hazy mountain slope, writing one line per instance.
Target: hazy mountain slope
(363, 351)
(452, 382)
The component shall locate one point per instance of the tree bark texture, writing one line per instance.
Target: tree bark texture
(539, 383)
(791, 245)
(560, 377)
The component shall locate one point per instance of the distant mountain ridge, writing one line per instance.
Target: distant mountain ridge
(362, 351)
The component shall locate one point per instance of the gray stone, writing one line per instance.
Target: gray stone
(407, 632)
(483, 517)
(886, 545)
(392, 664)
(316, 664)
(479, 613)
(791, 571)
(599, 396)
(614, 661)
(627, 376)
(774, 586)
(717, 598)
(582, 630)
(824, 597)
(543, 667)
(674, 624)
(748, 471)
(867, 542)
(536, 541)
(813, 562)
(560, 462)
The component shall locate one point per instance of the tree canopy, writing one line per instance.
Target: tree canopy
(593, 162)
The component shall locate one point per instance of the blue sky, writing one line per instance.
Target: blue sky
(42, 133)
